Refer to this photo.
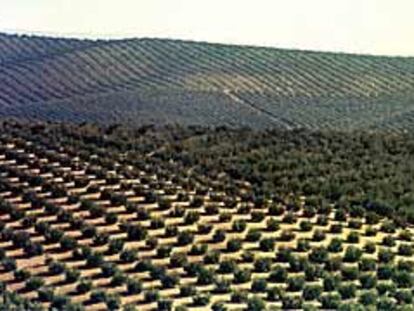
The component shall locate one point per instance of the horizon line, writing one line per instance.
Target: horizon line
(123, 37)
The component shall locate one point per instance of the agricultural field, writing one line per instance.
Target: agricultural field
(107, 218)
(143, 81)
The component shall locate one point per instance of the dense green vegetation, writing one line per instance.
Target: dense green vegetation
(359, 169)
(354, 170)
(145, 81)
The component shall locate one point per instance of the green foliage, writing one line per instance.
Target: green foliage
(59, 302)
(335, 245)
(312, 292)
(242, 276)
(134, 286)
(278, 275)
(219, 236)
(94, 260)
(330, 301)
(21, 275)
(262, 265)
(330, 282)
(239, 225)
(165, 305)
(353, 237)
(253, 235)
(385, 303)
(404, 296)
(34, 283)
(185, 238)
(72, 275)
(305, 225)
(368, 298)
(136, 232)
(255, 304)
(151, 295)
(295, 284)
(350, 273)
(303, 245)
(405, 250)
(45, 294)
(368, 281)
(234, 245)
(115, 246)
(187, 291)
(385, 272)
(352, 254)
(385, 256)
(259, 285)
(128, 256)
(267, 245)
(347, 291)
(113, 302)
(403, 279)
(218, 306)
(201, 300)
(84, 286)
(68, 243)
(318, 255)
(118, 279)
(292, 302)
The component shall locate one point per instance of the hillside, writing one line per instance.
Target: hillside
(144, 81)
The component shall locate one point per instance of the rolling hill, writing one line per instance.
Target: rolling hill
(143, 81)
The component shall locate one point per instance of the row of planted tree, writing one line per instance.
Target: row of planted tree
(98, 230)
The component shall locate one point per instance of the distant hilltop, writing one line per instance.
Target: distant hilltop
(155, 81)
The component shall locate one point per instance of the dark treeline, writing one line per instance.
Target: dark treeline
(371, 170)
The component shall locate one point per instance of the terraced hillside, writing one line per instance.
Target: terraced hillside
(146, 81)
(84, 226)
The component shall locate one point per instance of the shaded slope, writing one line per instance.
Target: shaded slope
(159, 81)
